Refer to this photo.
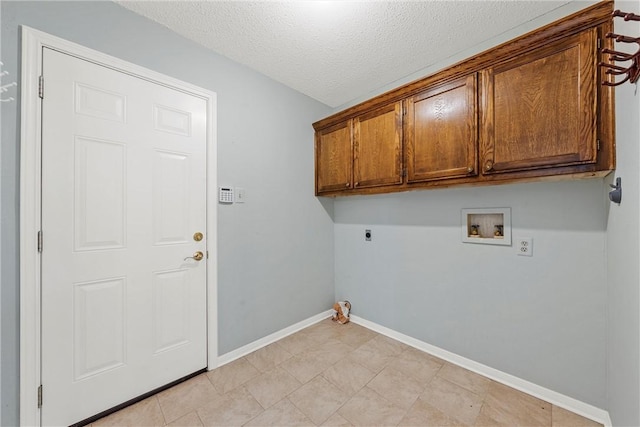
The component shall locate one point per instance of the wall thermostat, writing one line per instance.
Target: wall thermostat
(225, 195)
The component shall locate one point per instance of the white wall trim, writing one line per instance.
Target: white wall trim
(33, 41)
(30, 121)
(269, 339)
(558, 399)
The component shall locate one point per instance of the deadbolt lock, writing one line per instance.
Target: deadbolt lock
(198, 236)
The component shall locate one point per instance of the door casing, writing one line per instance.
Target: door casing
(33, 41)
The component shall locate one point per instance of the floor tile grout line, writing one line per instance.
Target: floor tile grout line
(389, 357)
(164, 417)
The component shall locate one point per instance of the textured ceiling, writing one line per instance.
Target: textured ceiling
(337, 51)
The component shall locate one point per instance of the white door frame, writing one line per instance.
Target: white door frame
(33, 41)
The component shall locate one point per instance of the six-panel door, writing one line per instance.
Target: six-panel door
(124, 307)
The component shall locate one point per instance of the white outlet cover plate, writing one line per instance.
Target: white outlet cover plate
(524, 246)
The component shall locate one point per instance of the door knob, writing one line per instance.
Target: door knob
(197, 256)
(198, 236)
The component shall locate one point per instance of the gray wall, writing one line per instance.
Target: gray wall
(623, 254)
(540, 318)
(275, 251)
(550, 325)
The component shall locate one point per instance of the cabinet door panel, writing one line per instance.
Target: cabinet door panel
(441, 132)
(378, 147)
(334, 158)
(540, 109)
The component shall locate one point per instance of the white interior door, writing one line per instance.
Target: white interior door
(123, 193)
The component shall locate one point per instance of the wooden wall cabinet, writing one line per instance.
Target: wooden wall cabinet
(441, 132)
(530, 109)
(362, 152)
(540, 108)
(378, 147)
(334, 158)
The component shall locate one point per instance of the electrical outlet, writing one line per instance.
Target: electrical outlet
(524, 246)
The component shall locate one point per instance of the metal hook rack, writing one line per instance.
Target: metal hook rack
(5, 88)
(632, 72)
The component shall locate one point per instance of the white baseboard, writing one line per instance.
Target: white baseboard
(558, 399)
(263, 342)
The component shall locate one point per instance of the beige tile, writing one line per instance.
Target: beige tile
(234, 409)
(187, 397)
(337, 420)
(267, 358)
(390, 346)
(377, 377)
(368, 408)
(330, 351)
(423, 414)
(485, 420)
(318, 399)
(297, 343)
(272, 386)
(455, 401)
(323, 331)
(376, 353)
(349, 376)
(370, 356)
(144, 413)
(417, 364)
(305, 366)
(505, 406)
(232, 375)
(355, 335)
(562, 418)
(465, 378)
(190, 420)
(396, 387)
(283, 413)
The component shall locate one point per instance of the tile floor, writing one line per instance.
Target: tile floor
(341, 375)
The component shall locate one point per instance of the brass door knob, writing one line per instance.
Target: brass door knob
(197, 256)
(469, 169)
(198, 236)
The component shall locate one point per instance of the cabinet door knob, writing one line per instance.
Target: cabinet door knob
(348, 185)
(489, 165)
(470, 169)
(356, 184)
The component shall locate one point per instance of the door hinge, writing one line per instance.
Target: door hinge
(40, 396)
(207, 254)
(404, 172)
(597, 145)
(40, 241)
(41, 87)
(599, 43)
